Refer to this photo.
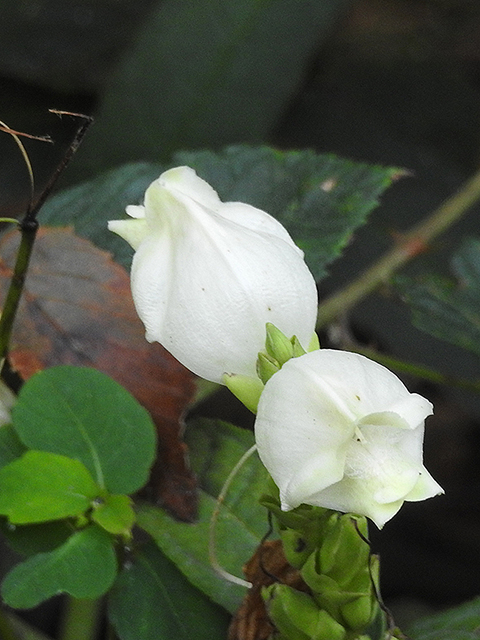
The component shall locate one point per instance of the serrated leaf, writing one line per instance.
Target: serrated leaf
(445, 308)
(43, 486)
(459, 623)
(165, 604)
(11, 446)
(82, 413)
(114, 513)
(216, 447)
(321, 199)
(84, 566)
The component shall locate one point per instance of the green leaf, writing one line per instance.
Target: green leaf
(445, 308)
(321, 199)
(460, 623)
(29, 539)
(215, 448)
(165, 604)
(11, 447)
(114, 513)
(43, 486)
(84, 566)
(82, 413)
(222, 74)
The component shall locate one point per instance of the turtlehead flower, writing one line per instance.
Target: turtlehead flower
(208, 275)
(337, 430)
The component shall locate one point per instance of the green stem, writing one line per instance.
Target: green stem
(419, 371)
(410, 245)
(6, 630)
(29, 231)
(81, 619)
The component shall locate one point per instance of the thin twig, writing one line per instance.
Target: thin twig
(28, 229)
(410, 245)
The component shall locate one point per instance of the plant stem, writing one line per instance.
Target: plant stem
(28, 229)
(419, 371)
(409, 245)
(81, 619)
(6, 630)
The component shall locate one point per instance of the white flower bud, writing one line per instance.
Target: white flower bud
(337, 430)
(207, 276)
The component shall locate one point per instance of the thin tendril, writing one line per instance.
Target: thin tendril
(213, 522)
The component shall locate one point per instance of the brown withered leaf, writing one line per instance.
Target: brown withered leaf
(77, 309)
(267, 565)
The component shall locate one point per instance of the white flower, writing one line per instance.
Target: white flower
(207, 276)
(337, 430)
(7, 400)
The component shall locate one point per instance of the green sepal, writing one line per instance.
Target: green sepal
(314, 343)
(277, 345)
(298, 350)
(248, 390)
(114, 513)
(358, 613)
(266, 366)
(297, 616)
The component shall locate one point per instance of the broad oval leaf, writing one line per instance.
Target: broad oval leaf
(458, 623)
(11, 446)
(42, 486)
(84, 566)
(84, 414)
(165, 604)
(215, 449)
(114, 513)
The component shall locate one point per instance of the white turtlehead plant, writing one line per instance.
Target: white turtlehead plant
(337, 430)
(208, 275)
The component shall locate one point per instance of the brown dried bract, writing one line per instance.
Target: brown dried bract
(266, 566)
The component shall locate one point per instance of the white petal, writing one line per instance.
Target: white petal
(425, 487)
(133, 231)
(205, 288)
(183, 181)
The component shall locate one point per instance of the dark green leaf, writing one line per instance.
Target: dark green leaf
(82, 413)
(165, 605)
(445, 308)
(114, 513)
(29, 539)
(216, 447)
(84, 566)
(460, 623)
(206, 73)
(321, 199)
(43, 486)
(10, 445)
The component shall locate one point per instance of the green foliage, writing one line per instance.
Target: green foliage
(449, 309)
(43, 486)
(84, 567)
(164, 603)
(459, 623)
(11, 446)
(82, 413)
(215, 448)
(321, 199)
(114, 513)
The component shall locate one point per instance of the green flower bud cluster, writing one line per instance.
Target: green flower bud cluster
(332, 553)
(278, 349)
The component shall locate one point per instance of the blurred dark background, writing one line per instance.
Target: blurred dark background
(392, 82)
